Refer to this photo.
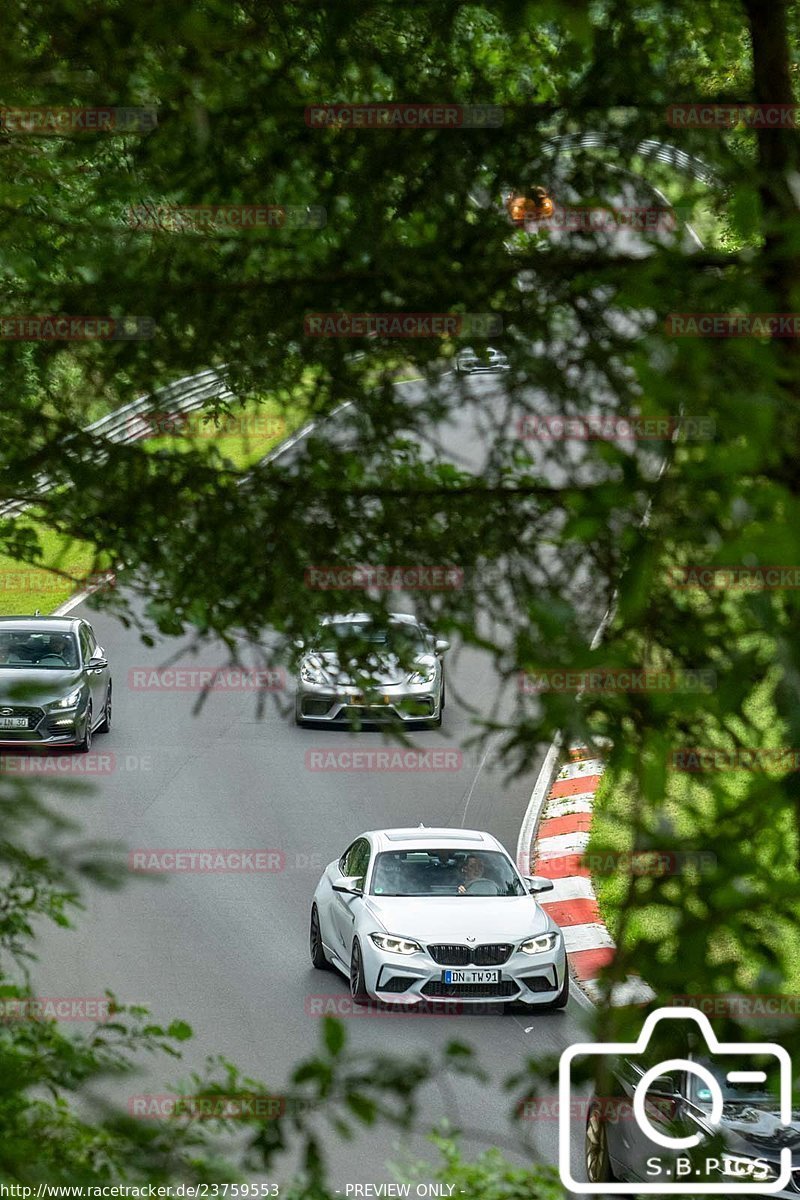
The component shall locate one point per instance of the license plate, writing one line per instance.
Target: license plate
(13, 722)
(472, 976)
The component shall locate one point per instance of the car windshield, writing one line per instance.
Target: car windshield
(444, 872)
(358, 637)
(32, 649)
(753, 1092)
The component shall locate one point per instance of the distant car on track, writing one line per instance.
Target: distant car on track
(429, 916)
(55, 683)
(490, 362)
(375, 672)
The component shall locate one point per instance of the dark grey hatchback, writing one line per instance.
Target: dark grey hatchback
(55, 683)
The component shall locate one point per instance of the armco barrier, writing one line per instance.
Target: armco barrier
(182, 396)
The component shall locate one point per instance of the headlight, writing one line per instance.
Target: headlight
(69, 701)
(424, 673)
(311, 672)
(395, 945)
(739, 1167)
(541, 944)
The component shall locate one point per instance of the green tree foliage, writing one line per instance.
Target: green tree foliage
(533, 530)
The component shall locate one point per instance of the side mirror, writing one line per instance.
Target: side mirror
(351, 885)
(97, 663)
(298, 643)
(442, 644)
(664, 1087)
(538, 884)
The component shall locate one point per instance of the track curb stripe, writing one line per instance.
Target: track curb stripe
(576, 822)
(585, 785)
(558, 851)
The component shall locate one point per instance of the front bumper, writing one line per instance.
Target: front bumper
(405, 703)
(417, 979)
(484, 370)
(46, 727)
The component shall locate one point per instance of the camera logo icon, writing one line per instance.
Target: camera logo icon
(670, 1153)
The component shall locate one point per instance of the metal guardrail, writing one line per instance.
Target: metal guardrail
(650, 148)
(128, 423)
(191, 392)
(185, 395)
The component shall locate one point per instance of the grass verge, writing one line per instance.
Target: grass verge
(693, 802)
(67, 565)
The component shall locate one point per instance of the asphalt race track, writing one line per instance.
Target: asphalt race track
(228, 952)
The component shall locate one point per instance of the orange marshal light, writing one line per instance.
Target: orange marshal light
(523, 208)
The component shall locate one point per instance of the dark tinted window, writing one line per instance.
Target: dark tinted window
(84, 638)
(442, 871)
(31, 648)
(355, 860)
(358, 637)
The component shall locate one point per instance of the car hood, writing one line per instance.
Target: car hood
(457, 918)
(758, 1130)
(18, 686)
(382, 669)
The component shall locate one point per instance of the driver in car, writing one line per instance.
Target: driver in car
(473, 869)
(58, 647)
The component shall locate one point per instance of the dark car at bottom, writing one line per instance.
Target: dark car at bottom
(744, 1147)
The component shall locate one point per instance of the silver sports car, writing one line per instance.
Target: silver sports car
(358, 670)
(431, 916)
(490, 362)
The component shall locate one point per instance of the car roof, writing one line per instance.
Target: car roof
(45, 624)
(358, 617)
(420, 836)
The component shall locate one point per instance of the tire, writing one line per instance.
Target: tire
(444, 695)
(598, 1161)
(85, 744)
(105, 724)
(319, 959)
(563, 996)
(358, 987)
